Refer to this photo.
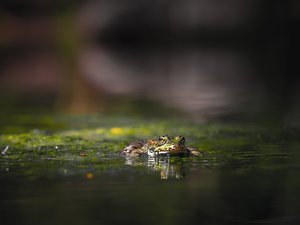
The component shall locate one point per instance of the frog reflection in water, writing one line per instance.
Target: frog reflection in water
(163, 145)
(166, 168)
(158, 152)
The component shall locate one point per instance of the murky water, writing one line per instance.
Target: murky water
(73, 174)
(248, 188)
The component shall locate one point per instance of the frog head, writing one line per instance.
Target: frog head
(168, 145)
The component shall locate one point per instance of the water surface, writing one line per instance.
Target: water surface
(247, 175)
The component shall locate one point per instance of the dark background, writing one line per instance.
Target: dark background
(208, 59)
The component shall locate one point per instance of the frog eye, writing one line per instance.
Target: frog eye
(163, 139)
(182, 140)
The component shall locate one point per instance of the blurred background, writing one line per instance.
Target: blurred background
(203, 58)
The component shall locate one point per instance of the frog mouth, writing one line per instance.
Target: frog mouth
(162, 153)
(153, 153)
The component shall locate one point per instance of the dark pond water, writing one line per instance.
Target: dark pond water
(193, 194)
(239, 179)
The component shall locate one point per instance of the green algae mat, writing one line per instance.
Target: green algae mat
(58, 169)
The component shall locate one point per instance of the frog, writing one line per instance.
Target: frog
(160, 146)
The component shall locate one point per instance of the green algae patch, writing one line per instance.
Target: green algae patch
(220, 142)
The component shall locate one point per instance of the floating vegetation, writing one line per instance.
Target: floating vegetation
(221, 142)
